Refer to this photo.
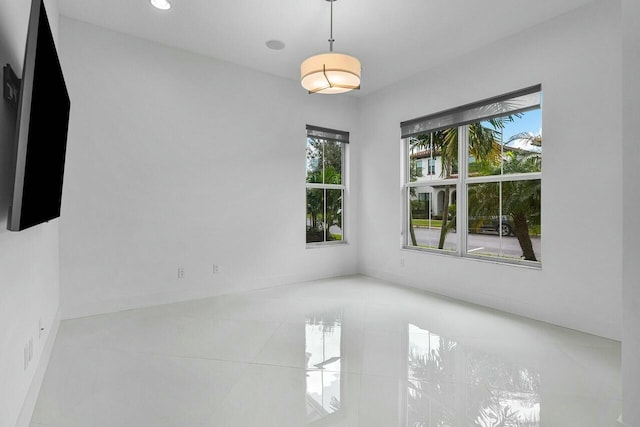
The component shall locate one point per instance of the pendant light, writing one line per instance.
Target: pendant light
(331, 72)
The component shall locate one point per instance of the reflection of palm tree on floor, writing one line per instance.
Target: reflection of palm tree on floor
(499, 395)
(431, 385)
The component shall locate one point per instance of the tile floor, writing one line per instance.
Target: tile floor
(350, 351)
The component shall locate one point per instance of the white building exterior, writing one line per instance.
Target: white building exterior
(428, 168)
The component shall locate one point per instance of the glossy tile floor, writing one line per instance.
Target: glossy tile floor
(350, 351)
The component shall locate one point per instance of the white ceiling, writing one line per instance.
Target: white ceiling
(393, 39)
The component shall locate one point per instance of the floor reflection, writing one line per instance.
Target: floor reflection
(444, 377)
(323, 343)
(347, 352)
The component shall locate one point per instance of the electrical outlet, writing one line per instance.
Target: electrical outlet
(216, 268)
(180, 272)
(401, 262)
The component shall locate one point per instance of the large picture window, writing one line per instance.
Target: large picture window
(325, 185)
(487, 174)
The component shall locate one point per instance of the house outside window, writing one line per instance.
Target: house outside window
(431, 166)
(495, 192)
(325, 185)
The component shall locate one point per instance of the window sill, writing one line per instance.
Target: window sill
(490, 260)
(319, 245)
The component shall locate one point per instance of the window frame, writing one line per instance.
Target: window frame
(431, 166)
(343, 187)
(419, 167)
(460, 185)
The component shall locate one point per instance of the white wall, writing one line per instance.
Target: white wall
(577, 59)
(631, 266)
(29, 276)
(177, 160)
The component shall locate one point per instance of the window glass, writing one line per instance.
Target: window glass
(325, 190)
(506, 145)
(426, 216)
(314, 160)
(333, 214)
(521, 211)
(315, 215)
(499, 176)
(432, 207)
(419, 168)
(432, 166)
(504, 219)
(485, 221)
(439, 150)
(504, 215)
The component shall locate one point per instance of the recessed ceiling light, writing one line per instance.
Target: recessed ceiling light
(275, 44)
(161, 4)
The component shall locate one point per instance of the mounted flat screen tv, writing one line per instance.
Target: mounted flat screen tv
(41, 129)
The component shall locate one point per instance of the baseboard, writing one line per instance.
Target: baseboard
(24, 419)
(233, 286)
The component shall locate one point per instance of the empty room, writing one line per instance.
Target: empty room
(319, 213)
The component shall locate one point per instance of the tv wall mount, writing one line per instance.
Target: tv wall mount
(10, 86)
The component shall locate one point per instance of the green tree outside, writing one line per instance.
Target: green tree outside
(520, 199)
(324, 206)
(483, 146)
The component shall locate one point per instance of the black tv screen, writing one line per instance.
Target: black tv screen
(41, 129)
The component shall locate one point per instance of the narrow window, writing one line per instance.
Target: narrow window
(325, 184)
(432, 167)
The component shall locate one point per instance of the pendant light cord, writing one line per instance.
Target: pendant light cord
(331, 29)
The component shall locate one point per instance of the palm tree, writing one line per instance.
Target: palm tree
(483, 146)
(413, 174)
(520, 199)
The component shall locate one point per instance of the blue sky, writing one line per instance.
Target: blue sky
(531, 121)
